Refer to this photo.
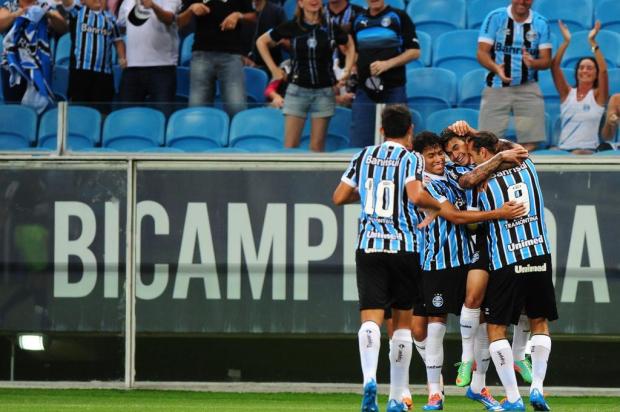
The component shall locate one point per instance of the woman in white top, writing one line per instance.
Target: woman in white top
(582, 106)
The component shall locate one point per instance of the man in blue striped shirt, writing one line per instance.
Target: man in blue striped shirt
(446, 256)
(387, 179)
(93, 32)
(521, 273)
(514, 43)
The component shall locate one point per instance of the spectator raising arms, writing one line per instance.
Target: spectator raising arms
(216, 54)
(386, 41)
(610, 128)
(582, 106)
(310, 89)
(93, 31)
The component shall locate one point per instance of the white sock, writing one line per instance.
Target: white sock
(369, 339)
(434, 355)
(501, 353)
(470, 318)
(400, 358)
(541, 348)
(520, 337)
(482, 358)
(420, 346)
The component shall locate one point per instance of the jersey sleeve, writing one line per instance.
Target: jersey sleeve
(351, 175)
(437, 192)
(489, 28)
(545, 36)
(415, 168)
(245, 6)
(282, 31)
(340, 36)
(410, 38)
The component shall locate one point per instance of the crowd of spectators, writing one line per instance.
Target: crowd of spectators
(329, 54)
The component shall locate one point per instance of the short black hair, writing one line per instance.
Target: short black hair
(395, 120)
(447, 134)
(426, 139)
(484, 139)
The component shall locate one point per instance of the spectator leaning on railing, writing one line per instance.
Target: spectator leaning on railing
(582, 106)
(514, 43)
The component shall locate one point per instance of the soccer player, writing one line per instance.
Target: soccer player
(468, 176)
(520, 258)
(445, 256)
(387, 179)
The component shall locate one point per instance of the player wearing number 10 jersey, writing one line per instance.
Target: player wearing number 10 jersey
(387, 179)
(521, 273)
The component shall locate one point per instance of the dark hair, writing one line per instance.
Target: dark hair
(446, 135)
(484, 139)
(577, 71)
(426, 139)
(395, 120)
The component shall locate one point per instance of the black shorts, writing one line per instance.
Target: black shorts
(480, 254)
(527, 284)
(444, 290)
(387, 279)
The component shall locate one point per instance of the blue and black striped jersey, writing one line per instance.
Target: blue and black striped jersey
(508, 39)
(388, 222)
(93, 34)
(513, 241)
(446, 245)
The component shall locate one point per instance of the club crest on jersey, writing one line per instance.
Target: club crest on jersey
(531, 36)
(311, 42)
(505, 32)
(437, 300)
(386, 21)
(586, 107)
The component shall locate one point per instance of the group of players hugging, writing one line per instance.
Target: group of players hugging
(465, 236)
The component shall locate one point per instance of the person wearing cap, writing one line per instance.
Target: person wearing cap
(217, 51)
(152, 51)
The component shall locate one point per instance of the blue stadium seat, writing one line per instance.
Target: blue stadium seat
(134, 129)
(229, 150)
(550, 92)
(164, 149)
(418, 121)
(397, 4)
(182, 83)
(430, 89)
(197, 129)
(471, 86)
(258, 130)
(18, 127)
(437, 16)
(186, 50)
(579, 47)
(456, 51)
(614, 81)
(608, 12)
(60, 81)
(255, 84)
(441, 119)
(337, 132)
(576, 14)
(290, 6)
(84, 128)
(477, 10)
(63, 50)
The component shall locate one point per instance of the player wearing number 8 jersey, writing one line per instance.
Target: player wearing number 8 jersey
(520, 277)
(387, 179)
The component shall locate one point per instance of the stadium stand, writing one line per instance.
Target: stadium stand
(426, 47)
(63, 50)
(576, 14)
(290, 5)
(456, 51)
(337, 136)
(437, 16)
(185, 54)
(133, 129)
(477, 10)
(608, 13)
(60, 80)
(471, 86)
(258, 130)
(255, 84)
(182, 83)
(418, 121)
(197, 129)
(430, 89)
(18, 127)
(441, 119)
(84, 128)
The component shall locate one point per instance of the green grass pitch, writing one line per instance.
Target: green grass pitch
(52, 400)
